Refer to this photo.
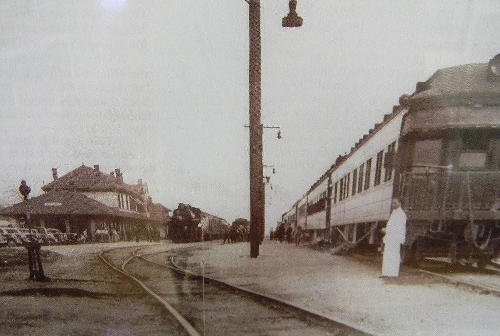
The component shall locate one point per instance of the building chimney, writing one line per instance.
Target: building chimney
(54, 173)
(96, 167)
(112, 173)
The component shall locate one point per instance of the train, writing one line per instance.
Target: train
(438, 152)
(190, 224)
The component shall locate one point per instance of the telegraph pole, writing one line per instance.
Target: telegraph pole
(257, 190)
(257, 186)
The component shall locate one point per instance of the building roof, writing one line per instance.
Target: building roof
(86, 178)
(159, 212)
(65, 202)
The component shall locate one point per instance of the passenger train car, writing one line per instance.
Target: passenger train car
(439, 153)
(190, 224)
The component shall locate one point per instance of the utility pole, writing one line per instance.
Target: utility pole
(257, 190)
(257, 186)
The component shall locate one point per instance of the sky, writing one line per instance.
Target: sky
(159, 88)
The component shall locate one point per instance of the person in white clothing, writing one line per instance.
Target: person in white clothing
(395, 236)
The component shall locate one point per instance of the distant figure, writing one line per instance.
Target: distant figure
(83, 237)
(280, 233)
(227, 237)
(289, 234)
(24, 190)
(298, 235)
(271, 234)
(114, 235)
(395, 236)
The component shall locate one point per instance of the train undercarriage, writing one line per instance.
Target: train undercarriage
(460, 241)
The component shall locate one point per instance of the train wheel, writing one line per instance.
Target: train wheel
(452, 253)
(413, 255)
(479, 235)
(483, 260)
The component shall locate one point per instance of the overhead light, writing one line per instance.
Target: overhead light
(292, 19)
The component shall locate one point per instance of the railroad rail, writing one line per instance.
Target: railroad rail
(484, 281)
(180, 319)
(188, 297)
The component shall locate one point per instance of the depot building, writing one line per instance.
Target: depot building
(86, 200)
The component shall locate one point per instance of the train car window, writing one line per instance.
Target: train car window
(475, 150)
(341, 189)
(360, 178)
(495, 153)
(348, 183)
(367, 173)
(344, 179)
(474, 141)
(354, 181)
(335, 193)
(346, 187)
(389, 161)
(427, 152)
(472, 160)
(378, 168)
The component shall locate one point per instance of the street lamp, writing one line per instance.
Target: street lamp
(292, 19)
(257, 187)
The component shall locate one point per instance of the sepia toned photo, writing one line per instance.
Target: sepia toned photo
(249, 167)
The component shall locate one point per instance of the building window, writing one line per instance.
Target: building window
(360, 178)
(378, 168)
(119, 201)
(367, 173)
(354, 181)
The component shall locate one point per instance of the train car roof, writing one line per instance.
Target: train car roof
(465, 81)
(341, 158)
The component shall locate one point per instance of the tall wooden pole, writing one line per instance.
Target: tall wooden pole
(257, 191)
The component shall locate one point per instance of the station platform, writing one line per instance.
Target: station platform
(349, 290)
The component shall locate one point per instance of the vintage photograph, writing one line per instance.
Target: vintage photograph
(249, 167)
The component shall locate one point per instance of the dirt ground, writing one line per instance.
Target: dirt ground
(83, 298)
(351, 291)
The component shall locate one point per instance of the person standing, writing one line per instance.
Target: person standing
(395, 236)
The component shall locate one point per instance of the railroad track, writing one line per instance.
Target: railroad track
(204, 306)
(484, 281)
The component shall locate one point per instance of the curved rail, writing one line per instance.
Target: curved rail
(182, 321)
(311, 313)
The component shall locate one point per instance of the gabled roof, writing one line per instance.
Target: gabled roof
(64, 202)
(58, 202)
(86, 178)
(159, 212)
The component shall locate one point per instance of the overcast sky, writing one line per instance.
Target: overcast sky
(160, 88)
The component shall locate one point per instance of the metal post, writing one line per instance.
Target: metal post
(257, 192)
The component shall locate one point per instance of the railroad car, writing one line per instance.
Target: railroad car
(190, 224)
(439, 153)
